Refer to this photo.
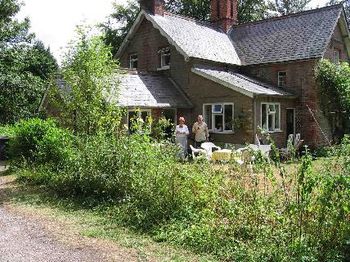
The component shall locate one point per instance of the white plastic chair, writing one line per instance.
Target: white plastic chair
(196, 152)
(208, 147)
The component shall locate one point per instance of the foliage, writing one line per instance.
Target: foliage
(162, 129)
(268, 212)
(120, 21)
(90, 77)
(334, 89)
(25, 65)
(285, 7)
(40, 142)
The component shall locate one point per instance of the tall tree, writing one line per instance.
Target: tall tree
(123, 16)
(346, 5)
(285, 7)
(24, 66)
(89, 72)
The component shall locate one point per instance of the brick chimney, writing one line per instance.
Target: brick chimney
(154, 7)
(224, 13)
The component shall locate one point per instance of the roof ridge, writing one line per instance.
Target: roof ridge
(274, 18)
(188, 18)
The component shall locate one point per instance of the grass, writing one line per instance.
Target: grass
(93, 223)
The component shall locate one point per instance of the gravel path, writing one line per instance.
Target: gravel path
(25, 238)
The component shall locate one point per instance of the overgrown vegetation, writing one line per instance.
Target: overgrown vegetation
(334, 83)
(268, 213)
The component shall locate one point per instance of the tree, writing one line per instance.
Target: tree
(119, 23)
(122, 18)
(285, 7)
(89, 72)
(346, 5)
(25, 65)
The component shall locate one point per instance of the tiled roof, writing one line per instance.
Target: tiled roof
(196, 39)
(238, 82)
(152, 91)
(303, 35)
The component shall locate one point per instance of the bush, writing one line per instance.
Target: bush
(40, 142)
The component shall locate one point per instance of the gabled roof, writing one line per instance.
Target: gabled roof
(190, 37)
(239, 83)
(151, 91)
(303, 35)
(297, 36)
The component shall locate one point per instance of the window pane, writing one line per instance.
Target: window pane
(132, 118)
(207, 116)
(272, 109)
(228, 117)
(277, 117)
(263, 116)
(218, 122)
(144, 115)
(217, 108)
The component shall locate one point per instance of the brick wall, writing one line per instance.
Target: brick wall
(337, 43)
(146, 43)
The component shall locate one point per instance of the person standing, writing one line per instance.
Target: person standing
(200, 129)
(181, 133)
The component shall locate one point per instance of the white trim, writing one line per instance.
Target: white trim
(134, 27)
(211, 128)
(267, 117)
(221, 82)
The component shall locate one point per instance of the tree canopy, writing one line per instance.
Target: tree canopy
(25, 64)
(123, 16)
(89, 73)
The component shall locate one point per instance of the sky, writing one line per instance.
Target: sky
(54, 21)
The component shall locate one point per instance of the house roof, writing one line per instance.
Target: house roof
(239, 83)
(190, 37)
(151, 91)
(302, 35)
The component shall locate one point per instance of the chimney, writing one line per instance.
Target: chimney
(224, 13)
(154, 7)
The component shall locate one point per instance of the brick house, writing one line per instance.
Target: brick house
(238, 76)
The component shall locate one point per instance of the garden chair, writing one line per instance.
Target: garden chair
(208, 147)
(197, 152)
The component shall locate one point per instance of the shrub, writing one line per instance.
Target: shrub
(40, 142)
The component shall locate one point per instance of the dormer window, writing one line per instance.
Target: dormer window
(133, 59)
(282, 79)
(164, 54)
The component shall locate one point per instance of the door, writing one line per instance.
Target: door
(290, 121)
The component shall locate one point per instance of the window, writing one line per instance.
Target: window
(134, 115)
(271, 117)
(336, 56)
(219, 117)
(164, 54)
(282, 79)
(133, 61)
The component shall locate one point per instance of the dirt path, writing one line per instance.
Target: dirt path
(27, 237)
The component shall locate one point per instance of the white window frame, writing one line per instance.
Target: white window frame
(212, 128)
(132, 60)
(148, 111)
(267, 117)
(279, 81)
(163, 53)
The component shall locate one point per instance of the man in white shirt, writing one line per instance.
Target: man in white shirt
(200, 129)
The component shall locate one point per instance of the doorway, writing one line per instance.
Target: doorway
(290, 129)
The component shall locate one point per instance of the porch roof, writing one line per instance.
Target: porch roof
(239, 83)
(150, 91)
